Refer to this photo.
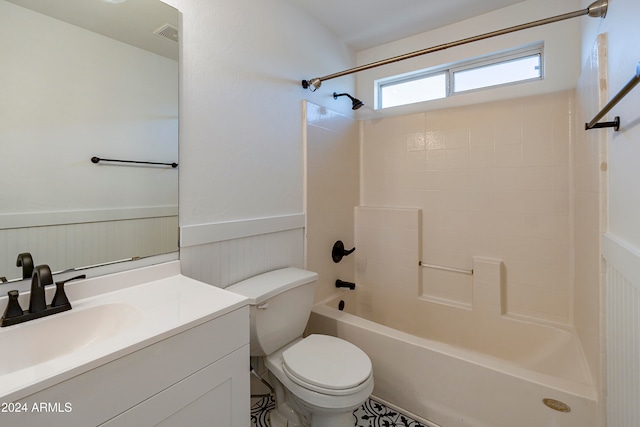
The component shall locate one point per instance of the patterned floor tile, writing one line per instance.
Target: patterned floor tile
(374, 414)
(404, 421)
(260, 412)
(370, 414)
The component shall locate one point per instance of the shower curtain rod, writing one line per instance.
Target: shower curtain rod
(597, 9)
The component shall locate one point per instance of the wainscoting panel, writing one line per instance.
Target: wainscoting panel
(623, 332)
(224, 263)
(76, 245)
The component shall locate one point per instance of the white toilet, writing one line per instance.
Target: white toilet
(319, 380)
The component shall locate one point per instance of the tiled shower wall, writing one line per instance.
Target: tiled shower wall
(332, 191)
(589, 171)
(492, 180)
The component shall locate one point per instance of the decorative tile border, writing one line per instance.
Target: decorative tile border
(370, 414)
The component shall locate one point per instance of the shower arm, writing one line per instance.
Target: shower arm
(597, 9)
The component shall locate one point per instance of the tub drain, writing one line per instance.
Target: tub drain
(341, 305)
(556, 405)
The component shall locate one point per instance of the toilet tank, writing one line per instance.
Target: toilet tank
(280, 305)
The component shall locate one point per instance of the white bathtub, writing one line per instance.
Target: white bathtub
(466, 368)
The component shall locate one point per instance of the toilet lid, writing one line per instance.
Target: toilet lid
(326, 362)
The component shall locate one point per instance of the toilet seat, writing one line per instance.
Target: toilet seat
(327, 364)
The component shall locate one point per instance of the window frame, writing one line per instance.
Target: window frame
(465, 65)
(412, 78)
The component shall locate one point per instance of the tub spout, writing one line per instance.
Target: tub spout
(343, 284)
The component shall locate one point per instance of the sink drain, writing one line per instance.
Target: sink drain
(556, 405)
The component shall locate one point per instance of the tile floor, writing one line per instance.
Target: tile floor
(370, 414)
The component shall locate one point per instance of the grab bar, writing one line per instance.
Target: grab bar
(615, 124)
(98, 160)
(445, 268)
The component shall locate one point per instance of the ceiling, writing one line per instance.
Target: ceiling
(131, 22)
(363, 24)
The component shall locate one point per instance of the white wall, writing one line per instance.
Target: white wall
(617, 215)
(241, 121)
(623, 34)
(562, 65)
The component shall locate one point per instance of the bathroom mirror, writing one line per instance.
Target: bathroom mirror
(83, 79)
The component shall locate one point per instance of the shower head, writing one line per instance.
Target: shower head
(356, 103)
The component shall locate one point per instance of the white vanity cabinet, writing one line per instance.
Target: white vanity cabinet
(216, 395)
(186, 363)
(199, 377)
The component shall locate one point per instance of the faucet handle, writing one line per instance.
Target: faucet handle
(60, 297)
(13, 306)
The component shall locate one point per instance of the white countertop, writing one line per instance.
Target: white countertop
(153, 310)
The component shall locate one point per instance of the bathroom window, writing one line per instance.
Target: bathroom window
(422, 88)
(515, 66)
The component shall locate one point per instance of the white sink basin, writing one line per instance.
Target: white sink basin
(41, 340)
(112, 316)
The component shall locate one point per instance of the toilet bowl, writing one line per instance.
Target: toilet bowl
(318, 380)
(323, 378)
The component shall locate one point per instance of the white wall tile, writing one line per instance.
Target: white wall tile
(333, 186)
(508, 156)
(495, 184)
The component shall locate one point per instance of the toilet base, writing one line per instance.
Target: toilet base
(290, 411)
(332, 420)
(276, 419)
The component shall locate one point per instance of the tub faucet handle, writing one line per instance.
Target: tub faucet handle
(339, 251)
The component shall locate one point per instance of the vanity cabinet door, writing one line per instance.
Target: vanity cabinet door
(108, 391)
(215, 396)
